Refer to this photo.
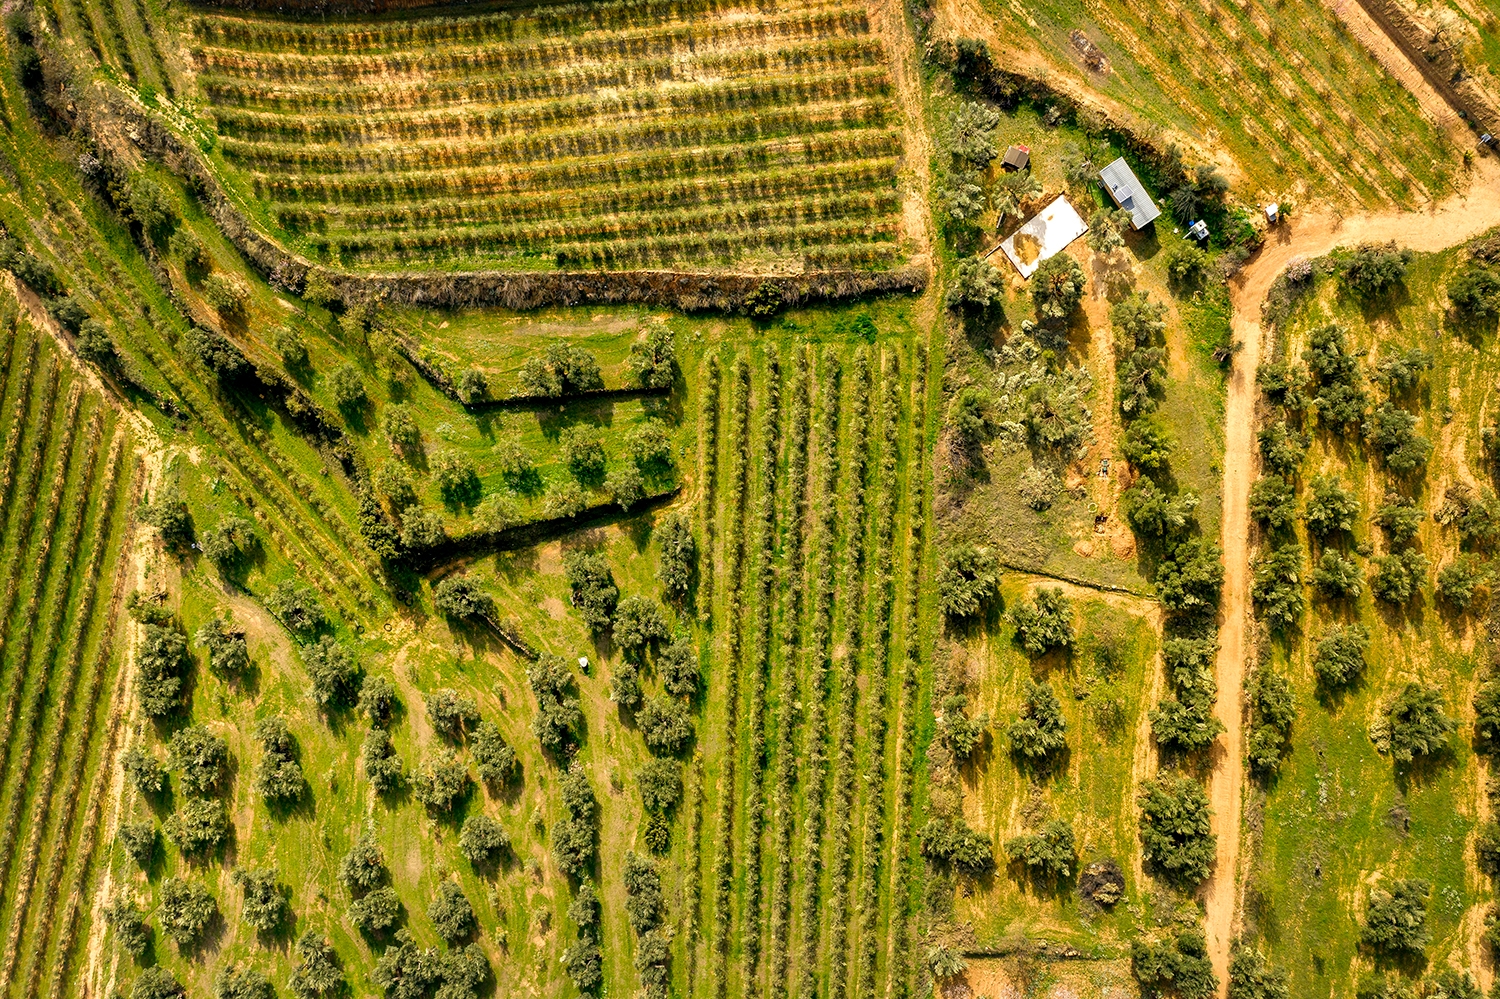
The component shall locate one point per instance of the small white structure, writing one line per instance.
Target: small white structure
(1273, 213)
(1198, 230)
(1044, 235)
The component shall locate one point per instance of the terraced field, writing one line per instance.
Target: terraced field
(617, 135)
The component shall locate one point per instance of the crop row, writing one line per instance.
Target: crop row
(621, 139)
(789, 642)
(823, 562)
(840, 861)
(825, 247)
(708, 425)
(871, 847)
(734, 555)
(911, 678)
(647, 106)
(82, 613)
(633, 43)
(606, 199)
(31, 484)
(83, 735)
(693, 65)
(17, 422)
(765, 600)
(17, 769)
(392, 183)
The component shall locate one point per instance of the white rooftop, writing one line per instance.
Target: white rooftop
(1044, 235)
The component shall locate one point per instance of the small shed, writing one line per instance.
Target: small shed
(1017, 158)
(1129, 193)
(1044, 235)
(1198, 230)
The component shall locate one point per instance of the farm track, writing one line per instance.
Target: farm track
(1443, 225)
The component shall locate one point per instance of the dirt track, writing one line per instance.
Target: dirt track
(1443, 225)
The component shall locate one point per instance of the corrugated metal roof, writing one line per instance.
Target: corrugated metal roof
(1129, 193)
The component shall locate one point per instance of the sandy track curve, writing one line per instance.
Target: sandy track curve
(1442, 225)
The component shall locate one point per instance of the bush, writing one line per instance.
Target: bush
(377, 699)
(558, 714)
(677, 665)
(124, 917)
(377, 911)
(1186, 264)
(1251, 976)
(278, 777)
(482, 839)
(584, 963)
(583, 911)
(950, 841)
(199, 756)
(969, 418)
(1102, 882)
(1044, 624)
(653, 359)
(626, 486)
(1185, 725)
(1460, 582)
(1039, 730)
(1400, 518)
(336, 675)
(288, 343)
(1057, 288)
(649, 447)
(1138, 322)
(145, 771)
(441, 782)
(382, 765)
(1401, 371)
(473, 387)
(644, 903)
(394, 483)
(160, 664)
(422, 529)
(298, 608)
(157, 982)
(1146, 445)
(574, 838)
(679, 556)
(1392, 431)
(1188, 581)
(1373, 268)
(1476, 516)
(945, 963)
(1153, 513)
(229, 543)
(958, 730)
(1273, 502)
(1331, 509)
(1277, 586)
(563, 370)
(186, 910)
(1048, 855)
(1487, 848)
(1281, 449)
(1475, 291)
(139, 840)
(1340, 657)
(95, 344)
(1038, 486)
(1398, 576)
(593, 588)
(363, 868)
(1337, 577)
(225, 294)
(976, 286)
(1413, 724)
(971, 133)
(968, 580)
(400, 429)
(1179, 967)
(583, 452)
(665, 724)
(317, 972)
(1175, 834)
(494, 758)
(347, 388)
(1140, 378)
(242, 983)
(660, 783)
(450, 713)
(1396, 919)
(169, 515)
(639, 624)
(1487, 714)
(457, 481)
(265, 907)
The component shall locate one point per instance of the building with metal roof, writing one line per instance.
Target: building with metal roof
(1129, 193)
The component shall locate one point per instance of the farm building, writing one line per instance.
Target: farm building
(1044, 235)
(1129, 193)
(1017, 158)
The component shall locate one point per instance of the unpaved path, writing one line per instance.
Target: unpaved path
(1443, 225)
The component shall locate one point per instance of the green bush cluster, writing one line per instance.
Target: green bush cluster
(1272, 712)
(1185, 722)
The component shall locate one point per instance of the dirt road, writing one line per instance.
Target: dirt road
(1443, 225)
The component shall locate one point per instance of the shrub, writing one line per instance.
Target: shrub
(278, 777)
(494, 758)
(1277, 586)
(288, 343)
(394, 483)
(1331, 509)
(1400, 518)
(1396, 918)
(958, 730)
(1138, 322)
(1102, 882)
(639, 624)
(229, 543)
(145, 771)
(95, 344)
(150, 205)
(584, 963)
(1153, 513)
(347, 388)
(457, 481)
(1107, 230)
(1186, 264)
(473, 387)
(335, 673)
(968, 580)
(1398, 576)
(363, 867)
(1049, 854)
(422, 529)
(1057, 288)
(124, 917)
(1413, 724)
(441, 781)
(625, 486)
(188, 248)
(139, 840)
(1400, 371)
(1476, 516)
(265, 907)
(945, 963)
(298, 608)
(1251, 976)
(450, 713)
(400, 429)
(1273, 502)
(1487, 714)
(1340, 657)
(649, 446)
(186, 910)
(1337, 577)
(976, 286)
(1045, 623)
(1039, 730)
(564, 502)
(1179, 967)
(950, 841)
(660, 783)
(1281, 449)
(593, 588)
(160, 663)
(377, 911)
(558, 713)
(962, 197)
(169, 515)
(644, 903)
(679, 556)
(1475, 291)
(583, 452)
(1038, 486)
(199, 756)
(1272, 711)
(1146, 445)
(1188, 581)
(382, 765)
(482, 839)
(1185, 725)
(1373, 268)
(665, 724)
(1487, 848)
(574, 838)
(971, 133)
(969, 417)
(157, 982)
(1175, 831)
(377, 699)
(1392, 431)
(1460, 582)
(677, 665)
(1141, 377)
(225, 294)
(317, 972)
(1284, 384)
(653, 359)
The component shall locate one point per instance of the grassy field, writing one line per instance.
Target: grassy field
(1342, 815)
(1283, 90)
(68, 476)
